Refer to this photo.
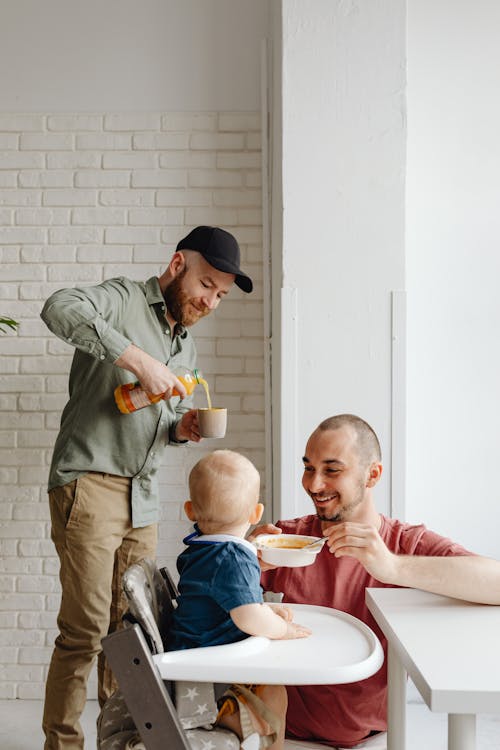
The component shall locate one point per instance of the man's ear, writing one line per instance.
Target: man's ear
(188, 510)
(374, 474)
(256, 514)
(177, 263)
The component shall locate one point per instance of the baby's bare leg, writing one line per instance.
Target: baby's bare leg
(275, 698)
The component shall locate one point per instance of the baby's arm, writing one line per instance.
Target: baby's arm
(260, 619)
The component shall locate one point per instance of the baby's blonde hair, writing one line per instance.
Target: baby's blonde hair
(224, 489)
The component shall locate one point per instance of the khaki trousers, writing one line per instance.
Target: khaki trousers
(95, 541)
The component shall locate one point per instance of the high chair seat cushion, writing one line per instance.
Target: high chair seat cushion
(215, 739)
(196, 709)
(195, 703)
(115, 726)
(148, 600)
(116, 729)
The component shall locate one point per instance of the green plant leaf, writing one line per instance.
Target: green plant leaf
(12, 324)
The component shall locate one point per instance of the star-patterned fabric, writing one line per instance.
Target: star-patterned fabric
(117, 731)
(195, 703)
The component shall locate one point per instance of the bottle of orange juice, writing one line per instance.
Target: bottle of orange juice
(130, 397)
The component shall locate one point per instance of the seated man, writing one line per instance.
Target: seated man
(342, 465)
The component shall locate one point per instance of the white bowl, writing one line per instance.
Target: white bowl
(286, 550)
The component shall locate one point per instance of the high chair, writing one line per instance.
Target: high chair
(148, 713)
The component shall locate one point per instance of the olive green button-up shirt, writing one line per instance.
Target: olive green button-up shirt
(100, 322)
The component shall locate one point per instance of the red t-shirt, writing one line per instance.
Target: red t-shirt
(345, 714)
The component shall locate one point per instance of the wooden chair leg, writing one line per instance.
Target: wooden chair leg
(143, 690)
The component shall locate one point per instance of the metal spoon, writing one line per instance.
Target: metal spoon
(318, 543)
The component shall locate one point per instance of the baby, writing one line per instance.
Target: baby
(220, 597)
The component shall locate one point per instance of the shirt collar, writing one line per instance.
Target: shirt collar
(153, 291)
(197, 538)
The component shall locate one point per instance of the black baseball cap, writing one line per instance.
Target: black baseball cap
(220, 249)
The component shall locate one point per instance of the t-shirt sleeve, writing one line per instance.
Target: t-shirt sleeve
(421, 541)
(237, 581)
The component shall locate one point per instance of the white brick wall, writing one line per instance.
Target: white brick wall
(84, 198)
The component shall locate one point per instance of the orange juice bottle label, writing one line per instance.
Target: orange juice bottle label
(131, 396)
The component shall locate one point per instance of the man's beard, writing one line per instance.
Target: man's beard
(179, 304)
(343, 514)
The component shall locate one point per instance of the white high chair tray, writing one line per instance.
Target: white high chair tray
(341, 649)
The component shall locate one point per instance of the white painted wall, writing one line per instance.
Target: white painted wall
(453, 263)
(121, 126)
(341, 214)
(124, 55)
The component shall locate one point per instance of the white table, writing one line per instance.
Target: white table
(341, 649)
(450, 649)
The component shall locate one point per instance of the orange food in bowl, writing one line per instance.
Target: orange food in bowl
(286, 543)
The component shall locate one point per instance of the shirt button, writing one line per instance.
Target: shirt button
(152, 454)
(69, 338)
(102, 356)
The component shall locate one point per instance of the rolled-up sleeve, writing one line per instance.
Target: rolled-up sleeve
(84, 318)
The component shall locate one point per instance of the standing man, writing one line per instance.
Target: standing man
(342, 466)
(103, 491)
